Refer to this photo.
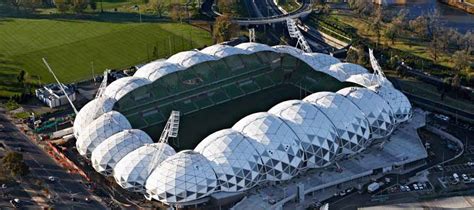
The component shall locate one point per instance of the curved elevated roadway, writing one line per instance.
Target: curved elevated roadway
(303, 11)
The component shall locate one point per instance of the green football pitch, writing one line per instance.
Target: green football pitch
(195, 127)
(73, 47)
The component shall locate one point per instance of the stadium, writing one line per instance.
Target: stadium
(323, 110)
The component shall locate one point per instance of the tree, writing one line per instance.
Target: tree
(362, 58)
(21, 76)
(158, 6)
(461, 61)
(16, 4)
(434, 48)
(362, 7)
(61, 6)
(224, 28)
(93, 4)
(377, 25)
(176, 12)
(14, 162)
(420, 26)
(352, 56)
(391, 33)
(30, 5)
(79, 5)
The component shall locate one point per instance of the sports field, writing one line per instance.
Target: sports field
(71, 46)
(197, 126)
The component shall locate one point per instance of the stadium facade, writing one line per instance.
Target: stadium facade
(352, 110)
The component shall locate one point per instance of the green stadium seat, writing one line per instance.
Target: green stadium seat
(233, 91)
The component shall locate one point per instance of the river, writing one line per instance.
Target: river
(450, 16)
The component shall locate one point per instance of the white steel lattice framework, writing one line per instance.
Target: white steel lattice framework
(296, 33)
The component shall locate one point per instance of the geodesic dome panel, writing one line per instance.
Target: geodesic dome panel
(342, 71)
(132, 171)
(401, 107)
(375, 108)
(278, 146)
(190, 58)
(351, 124)
(122, 86)
(99, 130)
(319, 137)
(318, 60)
(156, 69)
(235, 161)
(90, 112)
(253, 47)
(290, 50)
(366, 80)
(112, 150)
(183, 177)
(221, 51)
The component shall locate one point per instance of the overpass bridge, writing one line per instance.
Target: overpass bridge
(303, 11)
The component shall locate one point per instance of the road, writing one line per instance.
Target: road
(66, 186)
(268, 10)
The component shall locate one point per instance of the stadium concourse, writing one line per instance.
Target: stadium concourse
(352, 108)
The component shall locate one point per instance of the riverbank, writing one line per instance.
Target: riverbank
(467, 7)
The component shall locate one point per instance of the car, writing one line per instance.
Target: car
(456, 177)
(424, 185)
(342, 193)
(51, 179)
(415, 187)
(348, 190)
(439, 167)
(465, 178)
(15, 203)
(87, 199)
(470, 163)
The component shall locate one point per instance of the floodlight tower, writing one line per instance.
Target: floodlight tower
(60, 85)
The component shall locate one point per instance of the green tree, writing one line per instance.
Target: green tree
(79, 5)
(461, 61)
(158, 6)
(61, 6)
(391, 33)
(224, 28)
(21, 76)
(352, 56)
(14, 162)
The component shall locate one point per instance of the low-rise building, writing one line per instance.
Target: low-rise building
(53, 96)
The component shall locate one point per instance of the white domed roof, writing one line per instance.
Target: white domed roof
(99, 130)
(122, 86)
(221, 51)
(319, 138)
(190, 58)
(236, 162)
(183, 177)
(90, 112)
(156, 69)
(350, 122)
(343, 71)
(253, 47)
(319, 60)
(401, 107)
(365, 80)
(375, 108)
(278, 145)
(290, 50)
(132, 171)
(112, 150)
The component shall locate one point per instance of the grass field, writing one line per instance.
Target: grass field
(71, 45)
(197, 126)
